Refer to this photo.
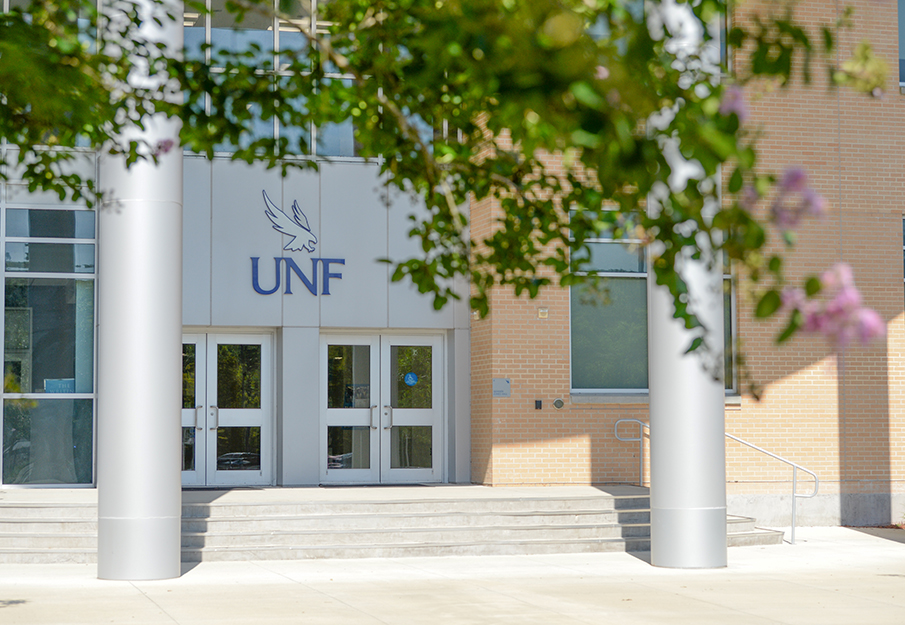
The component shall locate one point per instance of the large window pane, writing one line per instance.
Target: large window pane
(232, 36)
(193, 33)
(902, 41)
(57, 224)
(411, 376)
(292, 39)
(609, 335)
(238, 376)
(239, 449)
(188, 376)
(348, 376)
(49, 336)
(728, 345)
(348, 447)
(50, 257)
(612, 257)
(47, 441)
(411, 447)
(337, 139)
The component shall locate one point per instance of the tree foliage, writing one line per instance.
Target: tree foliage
(469, 100)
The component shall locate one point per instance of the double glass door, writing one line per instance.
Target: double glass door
(226, 409)
(381, 408)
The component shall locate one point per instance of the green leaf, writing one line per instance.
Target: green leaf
(768, 304)
(735, 182)
(695, 344)
(812, 286)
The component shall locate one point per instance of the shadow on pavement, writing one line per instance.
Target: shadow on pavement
(895, 534)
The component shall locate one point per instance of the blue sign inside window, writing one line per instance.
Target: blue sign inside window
(411, 379)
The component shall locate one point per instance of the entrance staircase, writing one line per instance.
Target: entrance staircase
(359, 523)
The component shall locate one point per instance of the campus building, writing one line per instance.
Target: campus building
(303, 364)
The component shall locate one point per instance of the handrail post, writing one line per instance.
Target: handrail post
(794, 497)
(640, 455)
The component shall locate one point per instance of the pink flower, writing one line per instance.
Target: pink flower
(750, 197)
(601, 73)
(164, 146)
(841, 318)
(734, 102)
(785, 211)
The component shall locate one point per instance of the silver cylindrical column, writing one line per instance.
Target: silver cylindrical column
(140, 355)
(687, 428)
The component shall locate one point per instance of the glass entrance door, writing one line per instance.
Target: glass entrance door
(227, 433)
(381, 402)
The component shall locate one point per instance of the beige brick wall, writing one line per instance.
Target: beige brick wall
(842, 415)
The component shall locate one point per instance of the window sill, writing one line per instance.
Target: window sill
(632, 398)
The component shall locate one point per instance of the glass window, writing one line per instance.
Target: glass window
(232, 36)
(612, 258)
(290, 32)
(56, 224)
(410, 447)
(50, 257)
(193, 33)
(609, 335)
(238, 449)
(411, 376)
(348, 376)
(49, 336)
(238, 376)
(47, 441)
(348, 447)
(902, 42)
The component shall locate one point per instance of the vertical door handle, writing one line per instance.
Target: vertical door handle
(388, 411)
(215, 420)
(197, 410)
(373, 425)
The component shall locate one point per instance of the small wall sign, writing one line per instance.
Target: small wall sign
(502, 387)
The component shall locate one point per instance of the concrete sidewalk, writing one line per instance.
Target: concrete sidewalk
(833, 575)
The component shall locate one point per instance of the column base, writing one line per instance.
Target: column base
(688, 538)
(139, 549)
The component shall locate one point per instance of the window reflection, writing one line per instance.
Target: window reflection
(348, 447)
(410, 447)
(411, 376)
(229, 35)
(239, 449)
(57, 224)
(348, 376)
(49, 336)
(47, 441)
(238, 376)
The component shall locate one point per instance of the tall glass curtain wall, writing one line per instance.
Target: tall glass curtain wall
(223, 33)
(48, 349)
(609, 321)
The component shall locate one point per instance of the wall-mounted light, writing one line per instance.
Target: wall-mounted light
(543, 313)
(558, 403)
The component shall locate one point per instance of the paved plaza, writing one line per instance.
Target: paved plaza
(833, 575)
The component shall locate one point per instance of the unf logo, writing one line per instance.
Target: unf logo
(302, 239)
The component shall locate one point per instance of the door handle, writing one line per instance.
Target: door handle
(197, 410)
(388, 411)
(373, 425)
(215, 414)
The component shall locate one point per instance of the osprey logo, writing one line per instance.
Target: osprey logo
(285, 268)
(296, 226)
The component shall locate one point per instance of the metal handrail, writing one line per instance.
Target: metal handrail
(795, 466)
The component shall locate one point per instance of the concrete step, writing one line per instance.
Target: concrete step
(22, 540)
(397, 536)
(407, 507)
(366, 521)
(307, 524)
(520, 547)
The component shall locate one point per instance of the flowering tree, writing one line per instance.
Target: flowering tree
(582, 118)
